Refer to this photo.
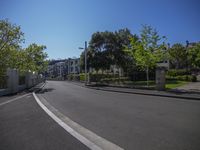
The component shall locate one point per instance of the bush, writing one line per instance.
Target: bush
(70, 77)
(179, 72)
(74, 77)
(190, 78)
(98, 77)
(82, 77)
(113, 80)
(141, 75)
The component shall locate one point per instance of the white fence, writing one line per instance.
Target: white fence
(13, 85)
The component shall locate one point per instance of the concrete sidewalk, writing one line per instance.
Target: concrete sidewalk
(177, 93)
(193, 87)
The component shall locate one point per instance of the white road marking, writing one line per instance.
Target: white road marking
(85, 136)
(14, 99)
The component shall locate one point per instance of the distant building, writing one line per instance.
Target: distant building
(61, 68)
(191, 44)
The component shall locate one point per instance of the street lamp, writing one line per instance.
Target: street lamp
(85, 61)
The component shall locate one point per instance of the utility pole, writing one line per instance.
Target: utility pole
(60, 72)
(85, 49)
(85, 62)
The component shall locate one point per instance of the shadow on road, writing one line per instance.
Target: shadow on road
(44, 90)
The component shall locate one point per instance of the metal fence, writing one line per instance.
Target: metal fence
(3, 82)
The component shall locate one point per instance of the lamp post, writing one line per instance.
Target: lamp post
(85, 61)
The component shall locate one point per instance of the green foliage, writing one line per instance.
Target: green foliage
(114, 80)
(178, 72)
(194, 55)
(190, 78)
(82, 77)
(181, 75)
(171, 84)
(70, 77)
(10, 35)
(178, 56)
(10, 38)
(35, 58)
(106, 49)
(148, 50)
(32, 58)
(73, 77)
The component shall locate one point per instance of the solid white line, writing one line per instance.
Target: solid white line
(14, 99)
(94, 142)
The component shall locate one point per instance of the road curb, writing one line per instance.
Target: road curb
(161, 95)
(139, 93)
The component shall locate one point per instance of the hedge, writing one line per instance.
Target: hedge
(178, 72)
(190, 78)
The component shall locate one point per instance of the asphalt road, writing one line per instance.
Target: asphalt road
(25, 126)
(134, 122)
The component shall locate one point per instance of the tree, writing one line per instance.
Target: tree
(106, 49)
(148, 50)
(99, 50)
(194, 55)
(10, 38)
(35, 58)
(122, 40)
(178, 56)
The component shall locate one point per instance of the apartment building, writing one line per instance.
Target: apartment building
(61, 68)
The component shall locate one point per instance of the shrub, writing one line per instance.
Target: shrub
(76, 77)
(141, 75)
(112, 80)
(98, 77)
(179, 72)
(82, 77)
(190, 78)
(70, 77)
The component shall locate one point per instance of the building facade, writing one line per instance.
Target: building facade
(61, 68)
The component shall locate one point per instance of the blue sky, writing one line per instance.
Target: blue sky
(64, 25)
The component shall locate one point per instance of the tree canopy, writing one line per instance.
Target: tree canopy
(106, 49)
(194, 55)
(12, 55)
(178, 56)
(148, 50)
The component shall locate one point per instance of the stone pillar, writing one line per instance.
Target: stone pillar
(29, 80)
(160, 78)
(13, 80)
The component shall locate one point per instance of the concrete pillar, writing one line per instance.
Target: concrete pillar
(160, 78)
(13, 80)
(29, 80)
